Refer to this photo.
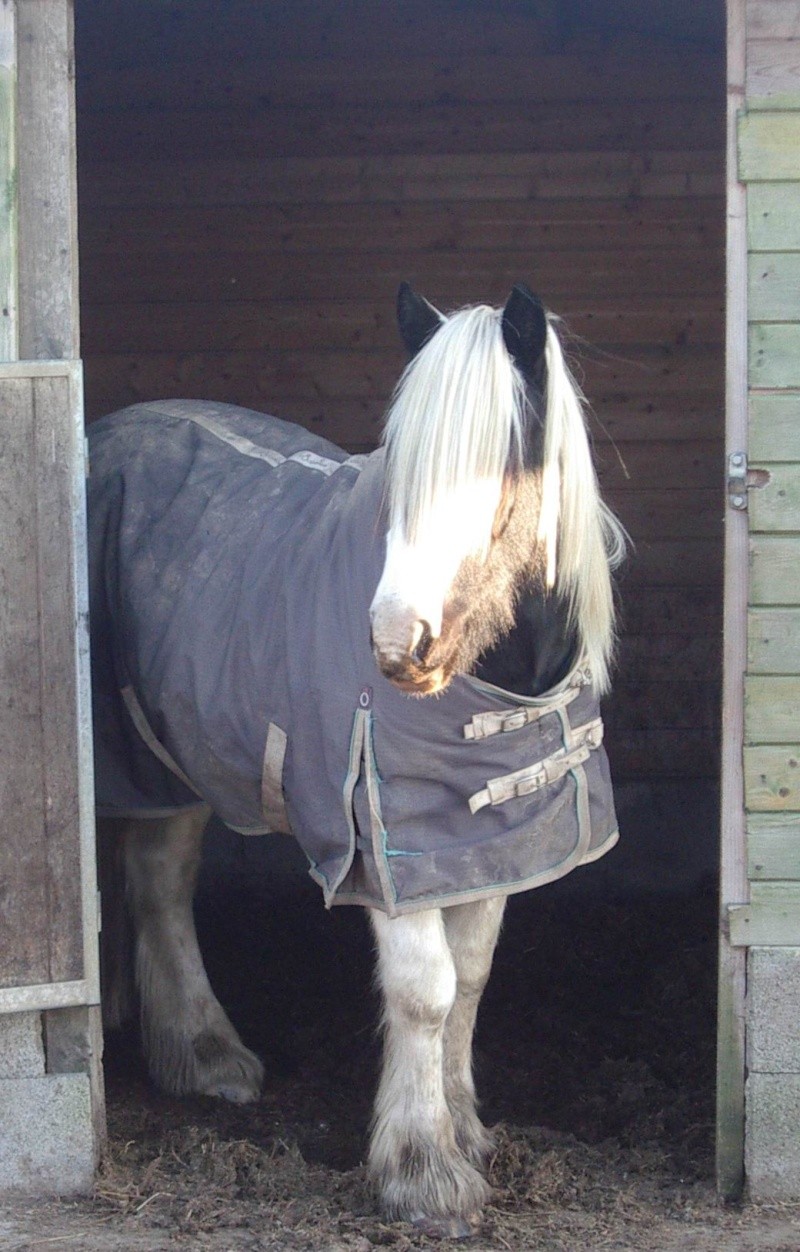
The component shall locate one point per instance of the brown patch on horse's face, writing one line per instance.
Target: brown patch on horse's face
(506, 507)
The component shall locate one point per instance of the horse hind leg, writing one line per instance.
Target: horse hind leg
(415, 1163)
(189, 1043)
(472, 931)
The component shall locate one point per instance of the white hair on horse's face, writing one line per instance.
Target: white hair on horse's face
(456, 436)
(456, 416)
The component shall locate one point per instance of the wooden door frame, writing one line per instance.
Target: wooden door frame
(52, 1094)
(733, 845)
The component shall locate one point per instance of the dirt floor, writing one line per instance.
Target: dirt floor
(595, 1060)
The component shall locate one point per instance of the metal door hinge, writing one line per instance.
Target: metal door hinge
(742, 479)
(737, 480)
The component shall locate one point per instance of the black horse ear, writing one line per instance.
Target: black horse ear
(417, 319)
(525, 330)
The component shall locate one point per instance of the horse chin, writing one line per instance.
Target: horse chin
(416, 680)
(427, 684)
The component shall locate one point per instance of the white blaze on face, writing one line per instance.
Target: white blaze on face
(417, 576)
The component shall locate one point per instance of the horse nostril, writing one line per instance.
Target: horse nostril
(423, 644)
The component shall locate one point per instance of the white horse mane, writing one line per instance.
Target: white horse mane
(458, 415)
(457, 410)
(582, 537)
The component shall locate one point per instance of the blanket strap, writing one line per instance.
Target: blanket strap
(484, 725)
(272, 801)
(523, 782)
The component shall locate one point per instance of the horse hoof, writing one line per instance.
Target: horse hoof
(445, 1227)
(241, 1085)
(226, 1069)
(234, 1093)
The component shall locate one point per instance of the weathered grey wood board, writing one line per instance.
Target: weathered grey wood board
(46, 864)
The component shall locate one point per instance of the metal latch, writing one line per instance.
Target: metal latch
(741, 479)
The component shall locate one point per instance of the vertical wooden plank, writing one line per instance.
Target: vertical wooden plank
(8, 181)
(55, 454)
(48, 920)
(733, 866)
(24, 942)
(48, 247)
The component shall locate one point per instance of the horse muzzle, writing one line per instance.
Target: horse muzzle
(412, 680)
(404, 648)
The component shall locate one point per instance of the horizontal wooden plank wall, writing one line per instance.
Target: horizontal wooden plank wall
(769, 134)
(254, 187)
(769, 922)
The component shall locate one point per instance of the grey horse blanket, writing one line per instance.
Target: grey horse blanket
(233, 559)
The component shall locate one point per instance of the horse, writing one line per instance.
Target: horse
(398, 659)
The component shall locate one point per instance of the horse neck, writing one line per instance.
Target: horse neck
(538, 651)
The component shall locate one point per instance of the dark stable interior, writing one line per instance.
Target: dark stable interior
(255, 180)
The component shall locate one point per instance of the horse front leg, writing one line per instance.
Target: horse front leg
(189, 1043)
(472, 931)
(415, 1163)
